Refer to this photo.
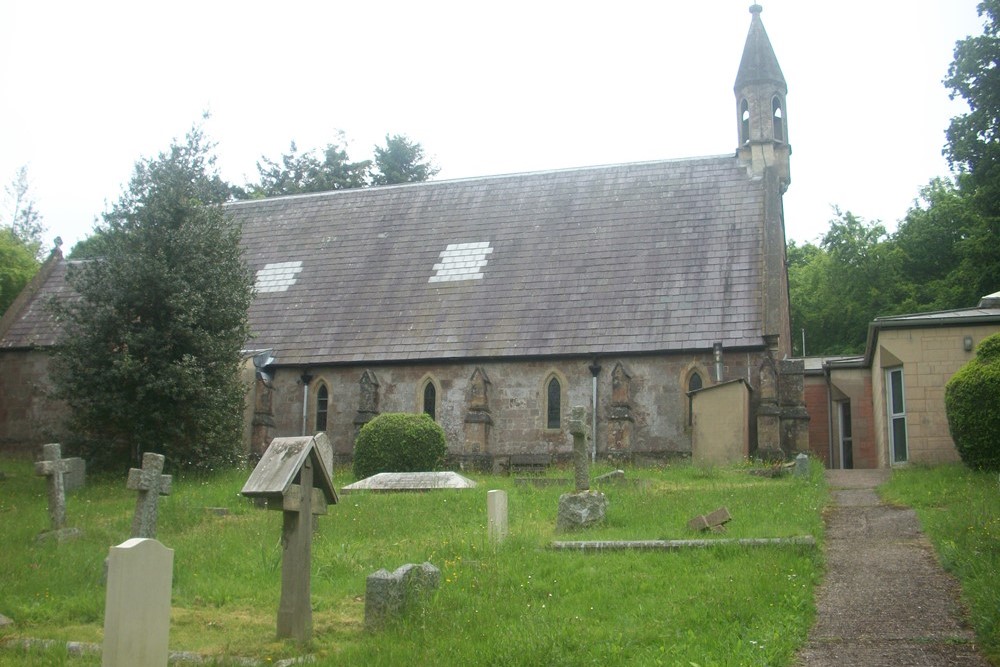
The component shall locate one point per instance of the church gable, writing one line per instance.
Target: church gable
(644, 257)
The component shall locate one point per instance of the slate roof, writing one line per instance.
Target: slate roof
(35, 326)
(631, 258)
(641, 257)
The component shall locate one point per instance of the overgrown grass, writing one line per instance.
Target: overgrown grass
(517, 604)
(959, 510)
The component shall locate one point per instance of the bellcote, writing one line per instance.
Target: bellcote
(760, 105)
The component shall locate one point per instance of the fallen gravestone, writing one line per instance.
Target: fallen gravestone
(584, 508)
(292, 477)
(151, 484)
(54, 467)
(715, 521)
(137, 607)
(411, 481)
(610, 477)
(389, 595)
(4, 621)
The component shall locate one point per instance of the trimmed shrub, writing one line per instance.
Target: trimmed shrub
(972, 401)
(399, 442)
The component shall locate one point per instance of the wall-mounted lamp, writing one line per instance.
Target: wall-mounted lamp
(967, 343)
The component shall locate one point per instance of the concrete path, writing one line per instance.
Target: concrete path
(885, 599)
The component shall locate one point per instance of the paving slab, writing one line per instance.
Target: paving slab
(885, 600)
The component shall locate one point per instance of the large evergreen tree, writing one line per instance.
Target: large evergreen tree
(149, 357)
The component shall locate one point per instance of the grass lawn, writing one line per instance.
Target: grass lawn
(959, 510)
(517, 604)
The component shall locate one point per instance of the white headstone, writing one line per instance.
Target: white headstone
(137, 607)
(496, 514)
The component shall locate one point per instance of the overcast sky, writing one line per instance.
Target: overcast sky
(486, 87)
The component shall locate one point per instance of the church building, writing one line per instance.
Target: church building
(495, 304)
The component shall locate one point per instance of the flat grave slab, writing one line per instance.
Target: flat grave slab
(411, 481)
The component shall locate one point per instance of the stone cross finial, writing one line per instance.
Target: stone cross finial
(54, 467)
(150, 484)
(581, 456)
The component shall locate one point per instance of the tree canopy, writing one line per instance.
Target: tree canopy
(945, 253)
(149, 355)
(330, 168)
(401, 161)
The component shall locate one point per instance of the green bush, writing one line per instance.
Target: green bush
(972, 401)
(399, 442)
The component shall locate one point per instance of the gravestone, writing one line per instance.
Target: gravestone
(55, 467)
(292, 476)
(714, 521)
(802, 465)
(411, 481)
(496, 515)
(584, 508)
(137, 604)
(390, 595)
(76, 474)
(151, 484)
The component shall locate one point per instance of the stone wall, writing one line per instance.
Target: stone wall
(928, 357)
(28, 418)
(642, 403)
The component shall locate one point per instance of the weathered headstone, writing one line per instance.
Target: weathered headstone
(496, 515)
(151, 484)
(137, 606)
(76, 474)
(4, 621)
(802, 465)
(390, 595)
(292, 476)
(584, 508)
(55, 467)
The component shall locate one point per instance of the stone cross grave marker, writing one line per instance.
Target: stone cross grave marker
(292, 476)
(151, 484)
(137, 604)
(55, 468)
(583, 508)
(581, 457)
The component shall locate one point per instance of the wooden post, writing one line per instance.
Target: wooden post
(295, 607)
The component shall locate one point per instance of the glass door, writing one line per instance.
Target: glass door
(896, 409)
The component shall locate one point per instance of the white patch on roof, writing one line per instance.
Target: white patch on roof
(277, 277)
(461, 261)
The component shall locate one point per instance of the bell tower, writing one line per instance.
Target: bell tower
(760, 106)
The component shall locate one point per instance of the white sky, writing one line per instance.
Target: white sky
(486, 87)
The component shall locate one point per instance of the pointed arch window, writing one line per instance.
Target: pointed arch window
(322, 407)
(744, 122)
(553, 403)
(430, 399)
(777, 117)
(694, 384)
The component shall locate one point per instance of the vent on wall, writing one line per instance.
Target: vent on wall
(461, 261)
